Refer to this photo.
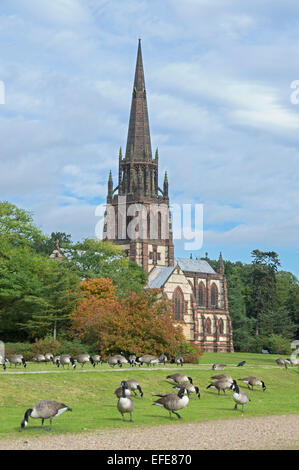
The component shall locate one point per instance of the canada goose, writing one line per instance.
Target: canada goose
(179, 360)
(242, 363)
(293, 361)
(16, 359)
(222, 384)
(133, 385)
(282, 362)
(222, 376)
(253, 381)
(148, 359)
(3, 362)
(49, 357)
(83, 359)
(241, 398)
(56, 360)
(132, 360)
(173, 402)
(189, 388)
(97, 359)
(179, 378)
(113, 361)
(125, 404)
(218, 366)
(45, 409)
(163, 359)
(65, 359)
(39, 358)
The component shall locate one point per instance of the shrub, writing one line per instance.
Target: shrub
(19, 348)
(190, 353)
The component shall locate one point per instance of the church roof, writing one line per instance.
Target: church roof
(195, 265)
(158, 276)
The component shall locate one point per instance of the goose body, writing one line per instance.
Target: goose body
(65, 360)
(113, 361)
(240, 397)
(3, 362)
(84, 359)
(222, 384)
(179, 378)
(45, 409)
(218, 366)
(97, 359)
(282, 362)
(179, 360)
(16, 359)
(39, 358)
(148, 359)
(49, 357)
(125, 403)
(253, 381)
(173, 402)
(163, 359)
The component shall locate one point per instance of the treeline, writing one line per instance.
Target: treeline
(42, 297)
(263, 303)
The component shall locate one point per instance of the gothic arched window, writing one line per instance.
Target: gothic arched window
(221, 326)
(178, 304)
(201, 295)
(214, 296)
(208, 326)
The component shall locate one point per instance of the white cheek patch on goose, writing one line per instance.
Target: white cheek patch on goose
(62, 410)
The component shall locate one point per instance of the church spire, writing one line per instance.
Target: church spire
(139, 141)
(220, 267)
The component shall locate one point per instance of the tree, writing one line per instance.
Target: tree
(138, 324)
(17, 227)
(98, 259)
(261, 293)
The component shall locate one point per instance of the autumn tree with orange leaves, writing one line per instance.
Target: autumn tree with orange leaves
(139, 324)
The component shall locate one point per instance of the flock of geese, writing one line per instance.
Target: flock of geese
(172, 402)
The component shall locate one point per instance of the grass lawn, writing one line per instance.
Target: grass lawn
(91, 396)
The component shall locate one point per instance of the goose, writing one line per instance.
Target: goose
(218, 366)
(253, 381)
(113, 361)
(222, 376)
(179, 378)
(56, 360)
(125, 403)
(179, 360)
(65, 359)
(148, 359)
(39, 358)
(221, 385)
(133, 385)
(45, 409)
(97, 359)
(241, 398)
(3, 362)
(132, 360)
(83, 359)
(173, 402)
(282, 362)
(189, 388)
(16, 359)
(163, 359)
(49, 357)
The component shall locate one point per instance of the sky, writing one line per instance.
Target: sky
(218, 76)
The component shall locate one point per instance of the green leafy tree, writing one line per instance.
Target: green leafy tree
(17, 227)
(98, 259)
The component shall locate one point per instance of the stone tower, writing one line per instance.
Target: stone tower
(138, 217)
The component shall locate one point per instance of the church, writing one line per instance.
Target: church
(198, 292)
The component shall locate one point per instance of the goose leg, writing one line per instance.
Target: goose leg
(177, 414)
